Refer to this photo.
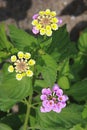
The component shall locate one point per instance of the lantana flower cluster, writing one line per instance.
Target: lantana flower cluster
(22, 65)
(53, 100)
(45, 22)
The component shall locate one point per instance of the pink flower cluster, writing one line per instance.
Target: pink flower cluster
(53, 99)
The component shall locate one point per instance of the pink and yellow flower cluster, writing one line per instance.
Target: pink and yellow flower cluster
(45, 22)
(53, 100)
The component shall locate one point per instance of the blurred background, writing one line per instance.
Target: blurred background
(20, 12)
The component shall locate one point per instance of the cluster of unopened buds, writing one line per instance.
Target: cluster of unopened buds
(45, 22)
(22, 65)
(53, 100)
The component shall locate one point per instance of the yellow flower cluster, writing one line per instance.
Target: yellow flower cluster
(22, 65)
(45, 22)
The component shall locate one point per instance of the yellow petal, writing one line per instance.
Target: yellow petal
(38, 26)
(54, 26)
(47, 12)
(49, 33)
(29, 73)
(13, 58)
(53, 13)
(48, 28)
(34, 22)
(11, 68)
(42, 31)
(54, 20)
(18, 76)
(27, 55)
(41, 13)
(31, 62)
(20, 55)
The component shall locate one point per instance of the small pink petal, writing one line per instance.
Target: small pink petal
(55, 87)
(56, 108)
(63, 98)
(59, 92)
(46, 91)
(43, 97)
(34, 30)
(60, 21)
(35, 16)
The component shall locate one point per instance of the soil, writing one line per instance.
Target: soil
(20, 12)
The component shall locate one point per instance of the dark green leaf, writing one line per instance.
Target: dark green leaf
(61, 46)
(12, 120)
(79, 90)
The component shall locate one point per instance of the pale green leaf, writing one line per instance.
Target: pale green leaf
(20, 38)
(82, 42)
(63, 82)
(12, 90)
(4, 127)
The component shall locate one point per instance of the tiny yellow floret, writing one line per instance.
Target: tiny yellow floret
(54, 20)
(54, 26)
(34, 22)
(31, 62)
(27, 55)
(48, 32)
(53, 13)
(20, 55)
(48, 28)
(42, 31)
(29, 73)
(38, 26)
(18, 76)
(47, 12)
(10, 68)
(13, 58)
(41, 12)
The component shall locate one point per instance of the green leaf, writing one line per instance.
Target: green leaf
(4, 43)
(4, 54)
(12, 90)
(4, 127)
(49, 70)
(70, 116)
(44, 42)
(84, 113)
(79, 90)
(78, 67)
(63, 82)
(63, 67)
(11, 120)
(20, 38)
(32, 122)
(61, 46)
(77, 127)
(82, 42)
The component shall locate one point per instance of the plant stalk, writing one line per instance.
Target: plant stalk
(27, 113)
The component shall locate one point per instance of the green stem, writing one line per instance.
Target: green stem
(27, 113)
